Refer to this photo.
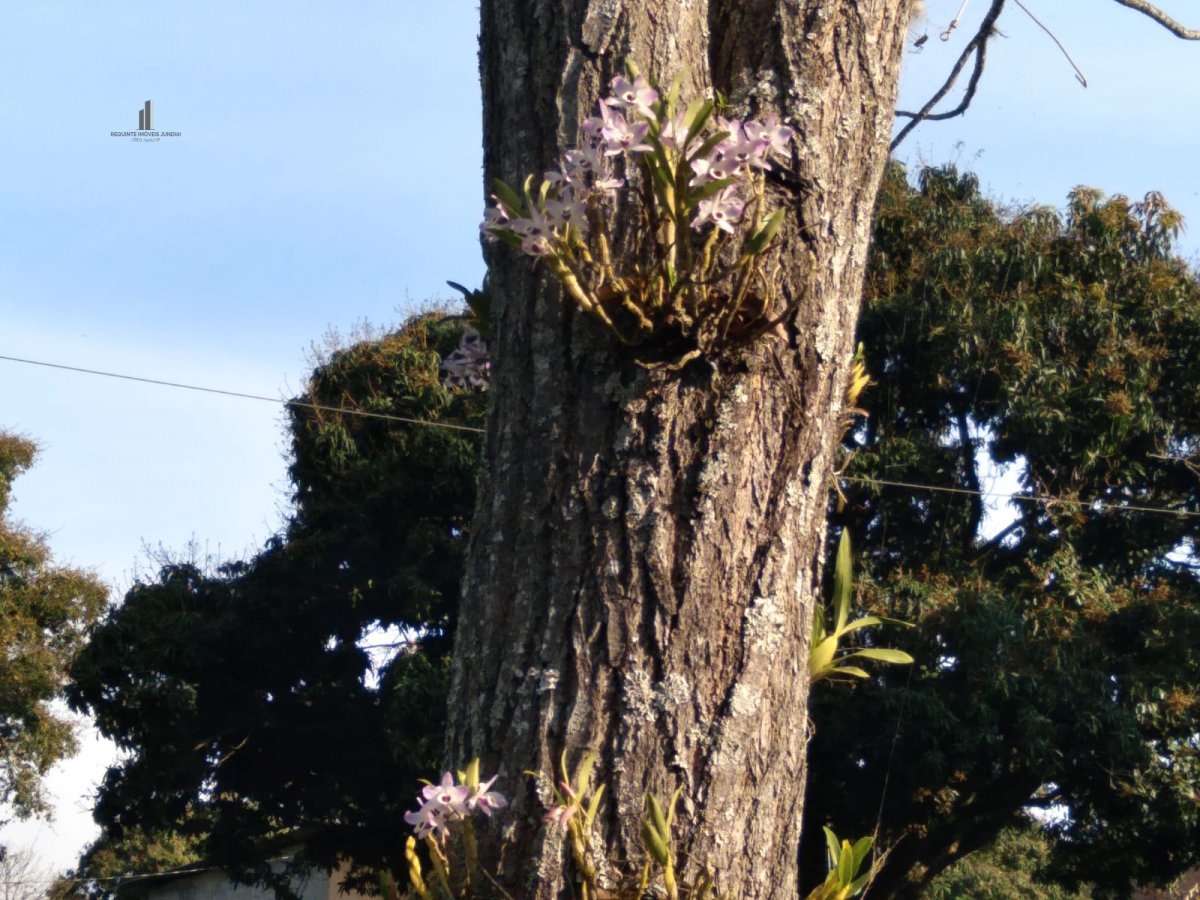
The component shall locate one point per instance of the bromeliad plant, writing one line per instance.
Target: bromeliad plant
(696, 262)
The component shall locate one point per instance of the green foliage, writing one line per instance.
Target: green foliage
(138, 851)
(245, 695)
(1012, 868)
(845, 860)
(826, 658)
(479, 302)
(657, 841)
(1058, 660)
(575, 804)
(44, 613)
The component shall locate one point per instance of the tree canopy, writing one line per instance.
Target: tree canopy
(108, 860)
(44, 613)
(246, 696)
(1057, 653)
(1013, 867)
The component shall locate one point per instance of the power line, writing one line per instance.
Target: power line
(244, 396)
(1102, 505)
(190, 869)
(1099, 504)
(99, 878)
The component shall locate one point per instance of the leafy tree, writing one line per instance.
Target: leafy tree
(245, 697)
(138, 851)
(44, 612)
(1057, 659)
(645, 556)
(1012, 868)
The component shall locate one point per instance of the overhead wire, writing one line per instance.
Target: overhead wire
(1098, 504)
(97, 878)
(190, 869)
(245, 396)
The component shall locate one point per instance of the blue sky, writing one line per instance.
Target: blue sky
(329, 171)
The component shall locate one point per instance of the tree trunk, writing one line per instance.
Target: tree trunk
(648, 545)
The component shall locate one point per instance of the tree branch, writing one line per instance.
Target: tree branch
(976, 46)
(971, 479)
(996, 541)
(1149, 9)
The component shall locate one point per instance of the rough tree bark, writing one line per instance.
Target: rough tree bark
(648, 545)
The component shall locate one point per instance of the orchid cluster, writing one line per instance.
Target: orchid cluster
(695, 260)
(439, 804)
(469, 366)
(573, 808)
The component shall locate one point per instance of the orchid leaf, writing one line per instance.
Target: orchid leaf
(884, 654)
(509, 198)
(761, 239)
(697, 115)
(708, 146)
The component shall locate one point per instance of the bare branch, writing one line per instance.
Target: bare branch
(1149, 9)
(976, 46)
